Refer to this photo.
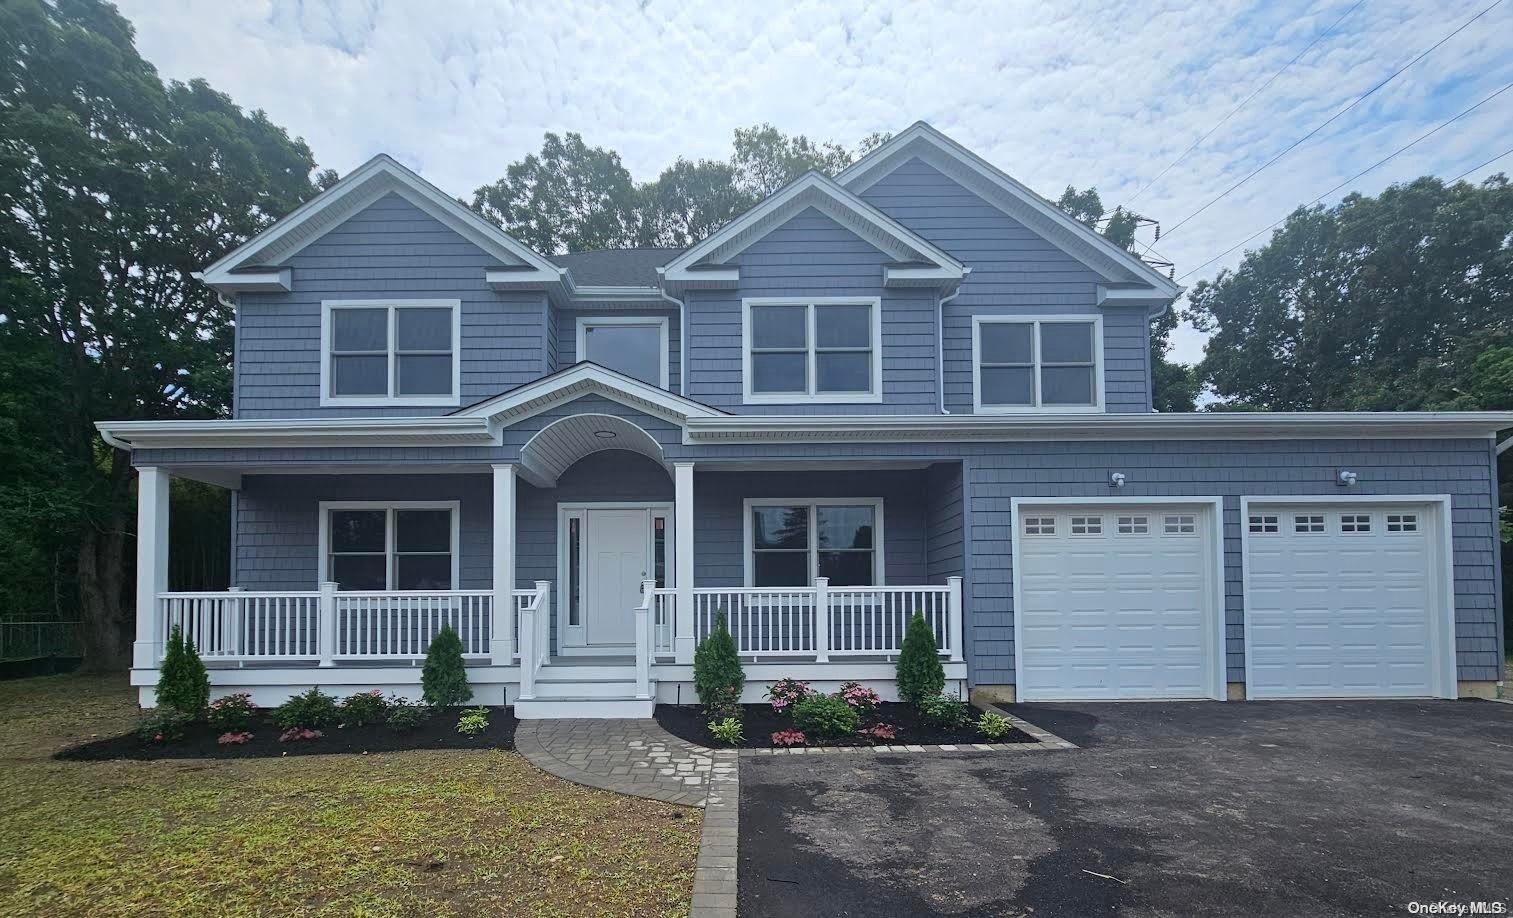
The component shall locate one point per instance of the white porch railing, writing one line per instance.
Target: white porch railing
(328, 626)
(533, 644)
(816, 622)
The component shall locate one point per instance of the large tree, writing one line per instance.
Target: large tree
(114, 188)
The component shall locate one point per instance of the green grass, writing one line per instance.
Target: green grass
(412, 833)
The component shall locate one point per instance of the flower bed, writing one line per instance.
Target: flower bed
(760, 722)
(438, 730)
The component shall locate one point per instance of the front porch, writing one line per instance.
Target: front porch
(271, 639)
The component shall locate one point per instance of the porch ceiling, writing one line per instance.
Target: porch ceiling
(557, 446)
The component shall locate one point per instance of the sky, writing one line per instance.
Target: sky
(1081, 92)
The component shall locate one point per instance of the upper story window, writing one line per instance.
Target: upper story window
(1027, 364)
(633, 345)
(824, 350)
(390, 352)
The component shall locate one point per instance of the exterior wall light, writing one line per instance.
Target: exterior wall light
(1116, 480)
(1347, 478)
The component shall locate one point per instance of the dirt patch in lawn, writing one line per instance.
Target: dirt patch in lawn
(439, 731)
(431, 832)
(760, 721)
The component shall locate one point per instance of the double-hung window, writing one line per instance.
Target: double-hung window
(791, 542)
(389, 546)
(825, 350)
(1024, 364)
(390, 352)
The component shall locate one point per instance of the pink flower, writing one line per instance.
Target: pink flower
(789, 738)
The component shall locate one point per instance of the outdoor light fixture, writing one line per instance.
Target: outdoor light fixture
(1346, 478)
(1116, 480)
(605, 434)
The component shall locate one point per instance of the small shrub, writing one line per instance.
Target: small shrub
(993, 725)
(727, 731)
(789, 738)
(473, 721)
(785, 693)
(232, 714)
(405, 715)
(862, 700)
(299, 735)
(825, 716)
(717, 673)
(163, 724)
(945, 712)
(444, 679)
(363, 708)
(919, 672)
(879, 733)
(183, 682)
(308, 709)
(235, 738)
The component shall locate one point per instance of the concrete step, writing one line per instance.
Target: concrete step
(563, 672)
(585, 688)
(583, 708)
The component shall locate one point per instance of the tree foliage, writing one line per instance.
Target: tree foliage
(114, 189)
(183, 683)
(444, 677)
(718, 676)
(919, 672)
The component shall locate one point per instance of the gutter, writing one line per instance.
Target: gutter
(271, 432)
(682, 338)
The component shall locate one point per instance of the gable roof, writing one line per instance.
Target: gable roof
(707, 263)
(1113, 264)
(255, 265)
(616, 267)
(578, 380)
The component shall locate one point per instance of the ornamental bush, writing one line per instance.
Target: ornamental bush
(727, 731)
(994, 725)
(163, 724)
(406, 716)
(945, 712)
(308, 709)
(364, 708)
(473, 721)
(785, 693)
(182, 682)
(920, 674)
(861, 698)
(444, 680)
(717, 673)
(825, 716)
(232, 714)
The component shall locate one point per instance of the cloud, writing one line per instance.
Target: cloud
(1089, 92)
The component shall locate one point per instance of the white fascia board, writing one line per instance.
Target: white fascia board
(1115, 426)
(728, 241)
(1154, 301)
(273, 280)
(900, 276)
(1504, 446)
(585, 379)
(607, 292)
(283, 237)
(445, 430)
(1033, 209)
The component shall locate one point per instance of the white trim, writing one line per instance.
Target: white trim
(323, 532)
(644, 443)
(583, 379)
(1214, 510)
(1442, 655)
(659, 322)
(567, 510)
(1036, 321)
(812, 396)
(879, 561)
(328, 307)
(810, 190)
(1041, 216)
(1504, 445)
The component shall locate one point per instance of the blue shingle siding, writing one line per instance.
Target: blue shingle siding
(1014, 271)
(812, 255)
(566, 333)
(944, 523)
(391, 249)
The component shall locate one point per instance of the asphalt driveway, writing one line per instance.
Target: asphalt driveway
(1280, 808)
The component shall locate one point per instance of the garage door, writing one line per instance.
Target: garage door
(1115, 602)
(1340, 600)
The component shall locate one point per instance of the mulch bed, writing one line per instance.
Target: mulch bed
(439, 731)
(759, 722)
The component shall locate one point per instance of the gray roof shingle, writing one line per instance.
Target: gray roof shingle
(615, 267)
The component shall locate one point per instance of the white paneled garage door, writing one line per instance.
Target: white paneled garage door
(1116, 602)
(1342, 600)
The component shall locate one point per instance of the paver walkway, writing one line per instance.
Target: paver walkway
(635, 757)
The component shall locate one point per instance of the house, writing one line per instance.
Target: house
(916, 387)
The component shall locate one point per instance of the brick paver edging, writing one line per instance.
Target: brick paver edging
(1044, 742)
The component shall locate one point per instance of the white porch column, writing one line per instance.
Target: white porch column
(682, 480)
(502, 646)
(152, 564)
(955, 620)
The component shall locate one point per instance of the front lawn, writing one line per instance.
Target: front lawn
(404, 833)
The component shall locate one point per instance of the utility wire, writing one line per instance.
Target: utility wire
(1335, 117)
(1197, 143)
(1381, 162)
(1484, 165)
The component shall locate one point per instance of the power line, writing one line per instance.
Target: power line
(1197, 143)
(1381, 162)
(1484, 165)
(1335, 117)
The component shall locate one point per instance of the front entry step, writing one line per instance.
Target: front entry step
(583, 708)
(556, 686)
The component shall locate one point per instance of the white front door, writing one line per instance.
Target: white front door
(607, 551)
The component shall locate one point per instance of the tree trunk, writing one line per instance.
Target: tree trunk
(105, 632)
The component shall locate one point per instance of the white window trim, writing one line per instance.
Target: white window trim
(327, 399)
(978, 321)
(323, 545)
(658, 322)
(879, 562)
(811, 397)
